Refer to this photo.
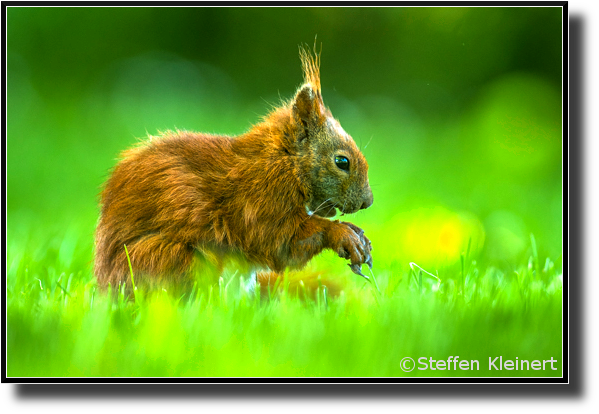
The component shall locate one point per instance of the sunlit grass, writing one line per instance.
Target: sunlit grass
(59, 324)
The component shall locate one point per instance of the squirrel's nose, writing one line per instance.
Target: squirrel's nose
(367, 200)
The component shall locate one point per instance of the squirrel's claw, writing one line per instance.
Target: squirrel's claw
(369, 262)
(367, 246)
(356, 269)
(357, 251)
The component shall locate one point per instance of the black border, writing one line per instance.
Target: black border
(308, 380)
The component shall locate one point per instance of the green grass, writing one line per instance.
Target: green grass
(59, 324)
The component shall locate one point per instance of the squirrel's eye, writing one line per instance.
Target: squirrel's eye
(342, 162)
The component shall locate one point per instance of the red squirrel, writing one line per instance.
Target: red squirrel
(266, 196)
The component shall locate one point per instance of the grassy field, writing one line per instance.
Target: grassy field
(457, 110)
(60, 325)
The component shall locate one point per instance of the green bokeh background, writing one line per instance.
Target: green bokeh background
(458, 110)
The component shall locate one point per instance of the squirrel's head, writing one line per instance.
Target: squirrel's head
(333, 170)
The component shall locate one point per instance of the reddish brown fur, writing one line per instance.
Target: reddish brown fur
(186, 195)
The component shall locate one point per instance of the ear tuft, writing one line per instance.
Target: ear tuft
(307, 107)
(311, 68)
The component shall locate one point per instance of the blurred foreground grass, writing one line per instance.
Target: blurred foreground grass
(60, 325)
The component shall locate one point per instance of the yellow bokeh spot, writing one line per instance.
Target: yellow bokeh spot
(450, 237)
(434, 237)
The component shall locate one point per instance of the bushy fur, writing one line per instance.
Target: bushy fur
(262, 196)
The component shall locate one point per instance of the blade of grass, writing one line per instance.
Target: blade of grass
(130, 270)
(535, 255)
(412, 265)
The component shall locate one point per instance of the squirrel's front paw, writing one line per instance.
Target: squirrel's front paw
(355, 246)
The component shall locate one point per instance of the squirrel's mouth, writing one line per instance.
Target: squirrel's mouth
(349, 210)
(326, 209)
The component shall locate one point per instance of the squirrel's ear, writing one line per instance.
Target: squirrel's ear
(307, 107)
